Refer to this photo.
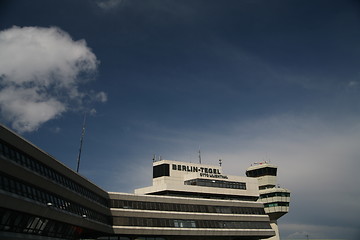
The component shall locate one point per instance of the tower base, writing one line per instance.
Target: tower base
(275, 227)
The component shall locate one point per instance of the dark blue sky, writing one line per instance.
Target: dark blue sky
(243, 80)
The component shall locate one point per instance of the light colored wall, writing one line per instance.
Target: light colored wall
(175, 181)
(172, 231)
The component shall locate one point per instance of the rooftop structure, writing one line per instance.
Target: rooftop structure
(174, 178)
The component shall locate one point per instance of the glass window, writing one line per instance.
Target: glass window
(6, 150)
(23, 160)
(28, 191)
(5, 217)
(17, 156)
(216, 183)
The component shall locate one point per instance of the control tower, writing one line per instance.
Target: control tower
(276, 200)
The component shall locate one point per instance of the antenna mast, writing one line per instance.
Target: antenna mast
(199, 156)
(81, 143)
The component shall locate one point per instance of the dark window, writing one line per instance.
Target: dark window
(216, 183)
(114, 203)
(161, 170)
(189, 223)
(278, 194)
(266, 171)
(37, 166)
(13, 221)
(26, 190)
(275, 204)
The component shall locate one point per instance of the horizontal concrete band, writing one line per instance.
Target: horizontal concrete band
(192, 231)
(183, 200)
(116, 212)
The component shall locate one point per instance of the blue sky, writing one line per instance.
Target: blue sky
(245, 81)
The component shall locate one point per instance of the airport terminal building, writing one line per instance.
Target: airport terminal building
(40, 198)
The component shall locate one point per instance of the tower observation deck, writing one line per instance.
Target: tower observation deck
(276, 199)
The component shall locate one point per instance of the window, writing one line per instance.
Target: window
(223, 210)
(28, 191)
(13, 221)
(161, 170)
(275, 204)
(21, 158)
(114, 203)
(184, 223)
(262, 172)
(188, 223)
(275, 194)
(216, 183)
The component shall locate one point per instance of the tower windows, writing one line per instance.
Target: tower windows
(266, 171)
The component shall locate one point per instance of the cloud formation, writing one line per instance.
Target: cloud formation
(353, 84)
(101, 97)
(108, 4)
(40, 75)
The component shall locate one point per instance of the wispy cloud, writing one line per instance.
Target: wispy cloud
(109, 4)
(101, 97)
(40, 75)
(307, 231)
(353, 84)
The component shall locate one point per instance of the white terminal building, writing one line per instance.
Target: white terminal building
(209, 202)
(41, 198)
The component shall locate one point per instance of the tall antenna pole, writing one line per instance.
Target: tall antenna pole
(199, 156)
(81, 143)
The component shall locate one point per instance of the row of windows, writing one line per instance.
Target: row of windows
(275, 194)
(185, 207)
(266, 186)
(216, 183)
(36, 166)
(266, 171)
(126, 238)
(280, 204)
(12, 221)
(206, 195)
(179, 223)
(15, 186)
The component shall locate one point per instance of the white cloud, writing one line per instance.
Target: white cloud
(353, 84)
(46, 56)
(55, 129)
(101, 97)
(109, 4)
(39, 75)
(27, 109)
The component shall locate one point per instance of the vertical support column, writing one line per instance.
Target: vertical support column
(274, 226)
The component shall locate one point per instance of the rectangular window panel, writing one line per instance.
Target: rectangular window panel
(161, 170)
